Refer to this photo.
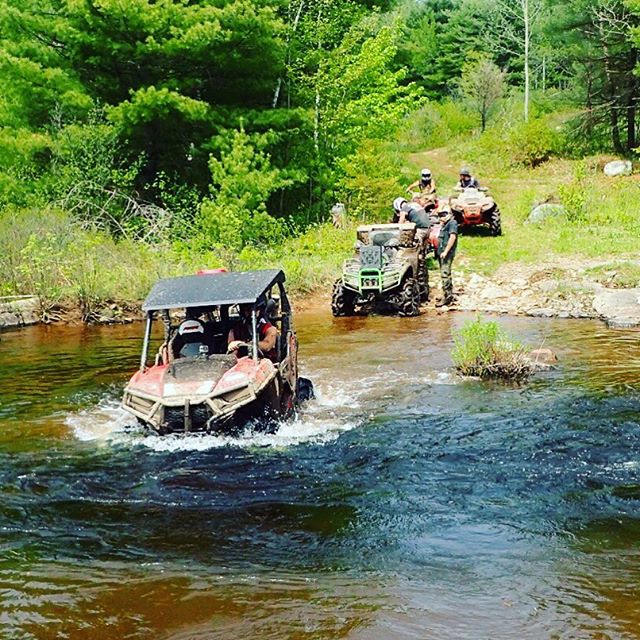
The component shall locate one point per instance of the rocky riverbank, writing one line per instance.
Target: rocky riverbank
(558, 289)
(566, 288)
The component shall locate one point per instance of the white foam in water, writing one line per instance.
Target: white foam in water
(340, 406)
(319, 422)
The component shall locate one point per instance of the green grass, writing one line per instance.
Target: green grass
(48, 254)
(608, 227)
(620, 275)
(482, 349)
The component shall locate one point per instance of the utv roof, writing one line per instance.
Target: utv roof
(211, 289)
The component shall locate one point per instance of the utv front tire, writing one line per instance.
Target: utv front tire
(342, 300)
(409, 298)
(495, 224)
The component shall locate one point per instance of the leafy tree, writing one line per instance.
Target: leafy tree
(482, 85)
(242, 180)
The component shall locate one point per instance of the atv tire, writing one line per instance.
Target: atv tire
(495, 225)
(342, 300)
(423, 278)
(409, 298)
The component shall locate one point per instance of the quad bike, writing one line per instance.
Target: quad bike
(388, 270)
(473, 207)
(427, 200)
(195, 384)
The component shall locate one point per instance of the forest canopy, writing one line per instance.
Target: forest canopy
(236, 123)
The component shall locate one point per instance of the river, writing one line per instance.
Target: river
(402, 503)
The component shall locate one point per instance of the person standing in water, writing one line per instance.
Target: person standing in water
(447, 244)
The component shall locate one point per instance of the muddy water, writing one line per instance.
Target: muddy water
(403, 502)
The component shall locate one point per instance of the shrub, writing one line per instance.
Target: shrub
(482, 349)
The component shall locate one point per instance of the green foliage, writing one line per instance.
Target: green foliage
(573, 195)
(435, 125)
(371, 180)
(484, 350)
(242, 180)
(482, 85)
(511, 142)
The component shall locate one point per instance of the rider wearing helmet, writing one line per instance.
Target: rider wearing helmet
(467, 181)
(242, 333)
(412, 212)
(426, 185)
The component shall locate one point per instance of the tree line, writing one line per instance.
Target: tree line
(236, 122)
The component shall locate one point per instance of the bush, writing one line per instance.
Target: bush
(435, 125)
(482, 349)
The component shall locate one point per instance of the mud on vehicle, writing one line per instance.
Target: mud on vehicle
(194, 383)
(472, 207)
(388, 271)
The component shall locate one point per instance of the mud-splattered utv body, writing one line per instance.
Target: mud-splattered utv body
(472, 207)
(388, 270)
(194, 384)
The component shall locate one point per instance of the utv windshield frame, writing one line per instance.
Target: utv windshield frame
(215, 291)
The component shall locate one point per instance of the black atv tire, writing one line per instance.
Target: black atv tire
(409, 298)
(495, 224)
(343, 301)
(423, 278)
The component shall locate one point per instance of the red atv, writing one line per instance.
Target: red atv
(473, 207)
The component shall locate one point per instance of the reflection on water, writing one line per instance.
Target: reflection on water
(402, 503)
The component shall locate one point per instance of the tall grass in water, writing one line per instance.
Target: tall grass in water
(483, 349)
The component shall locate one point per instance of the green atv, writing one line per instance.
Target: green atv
(387, 271)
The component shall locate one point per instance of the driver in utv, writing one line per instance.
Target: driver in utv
(242, 334)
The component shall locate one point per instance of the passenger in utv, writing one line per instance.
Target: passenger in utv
(190, 337)
(241, 334)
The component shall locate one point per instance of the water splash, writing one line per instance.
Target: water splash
(322, 420)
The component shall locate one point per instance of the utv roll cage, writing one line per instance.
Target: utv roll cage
(215, 294)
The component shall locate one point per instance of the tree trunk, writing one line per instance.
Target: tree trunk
(615, 130)
(527, 36)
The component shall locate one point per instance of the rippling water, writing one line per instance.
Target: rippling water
(402, 503)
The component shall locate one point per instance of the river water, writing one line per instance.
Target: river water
(402, 503)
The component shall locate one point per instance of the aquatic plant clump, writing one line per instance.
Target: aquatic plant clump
(482, 349)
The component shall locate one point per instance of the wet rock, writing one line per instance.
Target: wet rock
(544, 312)
(543, 355)
(618, 168)
(544, 211)
(19, 312)
(618, 307)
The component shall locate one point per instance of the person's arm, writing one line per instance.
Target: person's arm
(433, 186)
(402, 217)
(269, 341)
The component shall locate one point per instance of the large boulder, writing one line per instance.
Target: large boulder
(618, 168)
(618, 307)
(544, 211)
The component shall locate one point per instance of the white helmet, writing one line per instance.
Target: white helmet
(397, 204)
(187, 327)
